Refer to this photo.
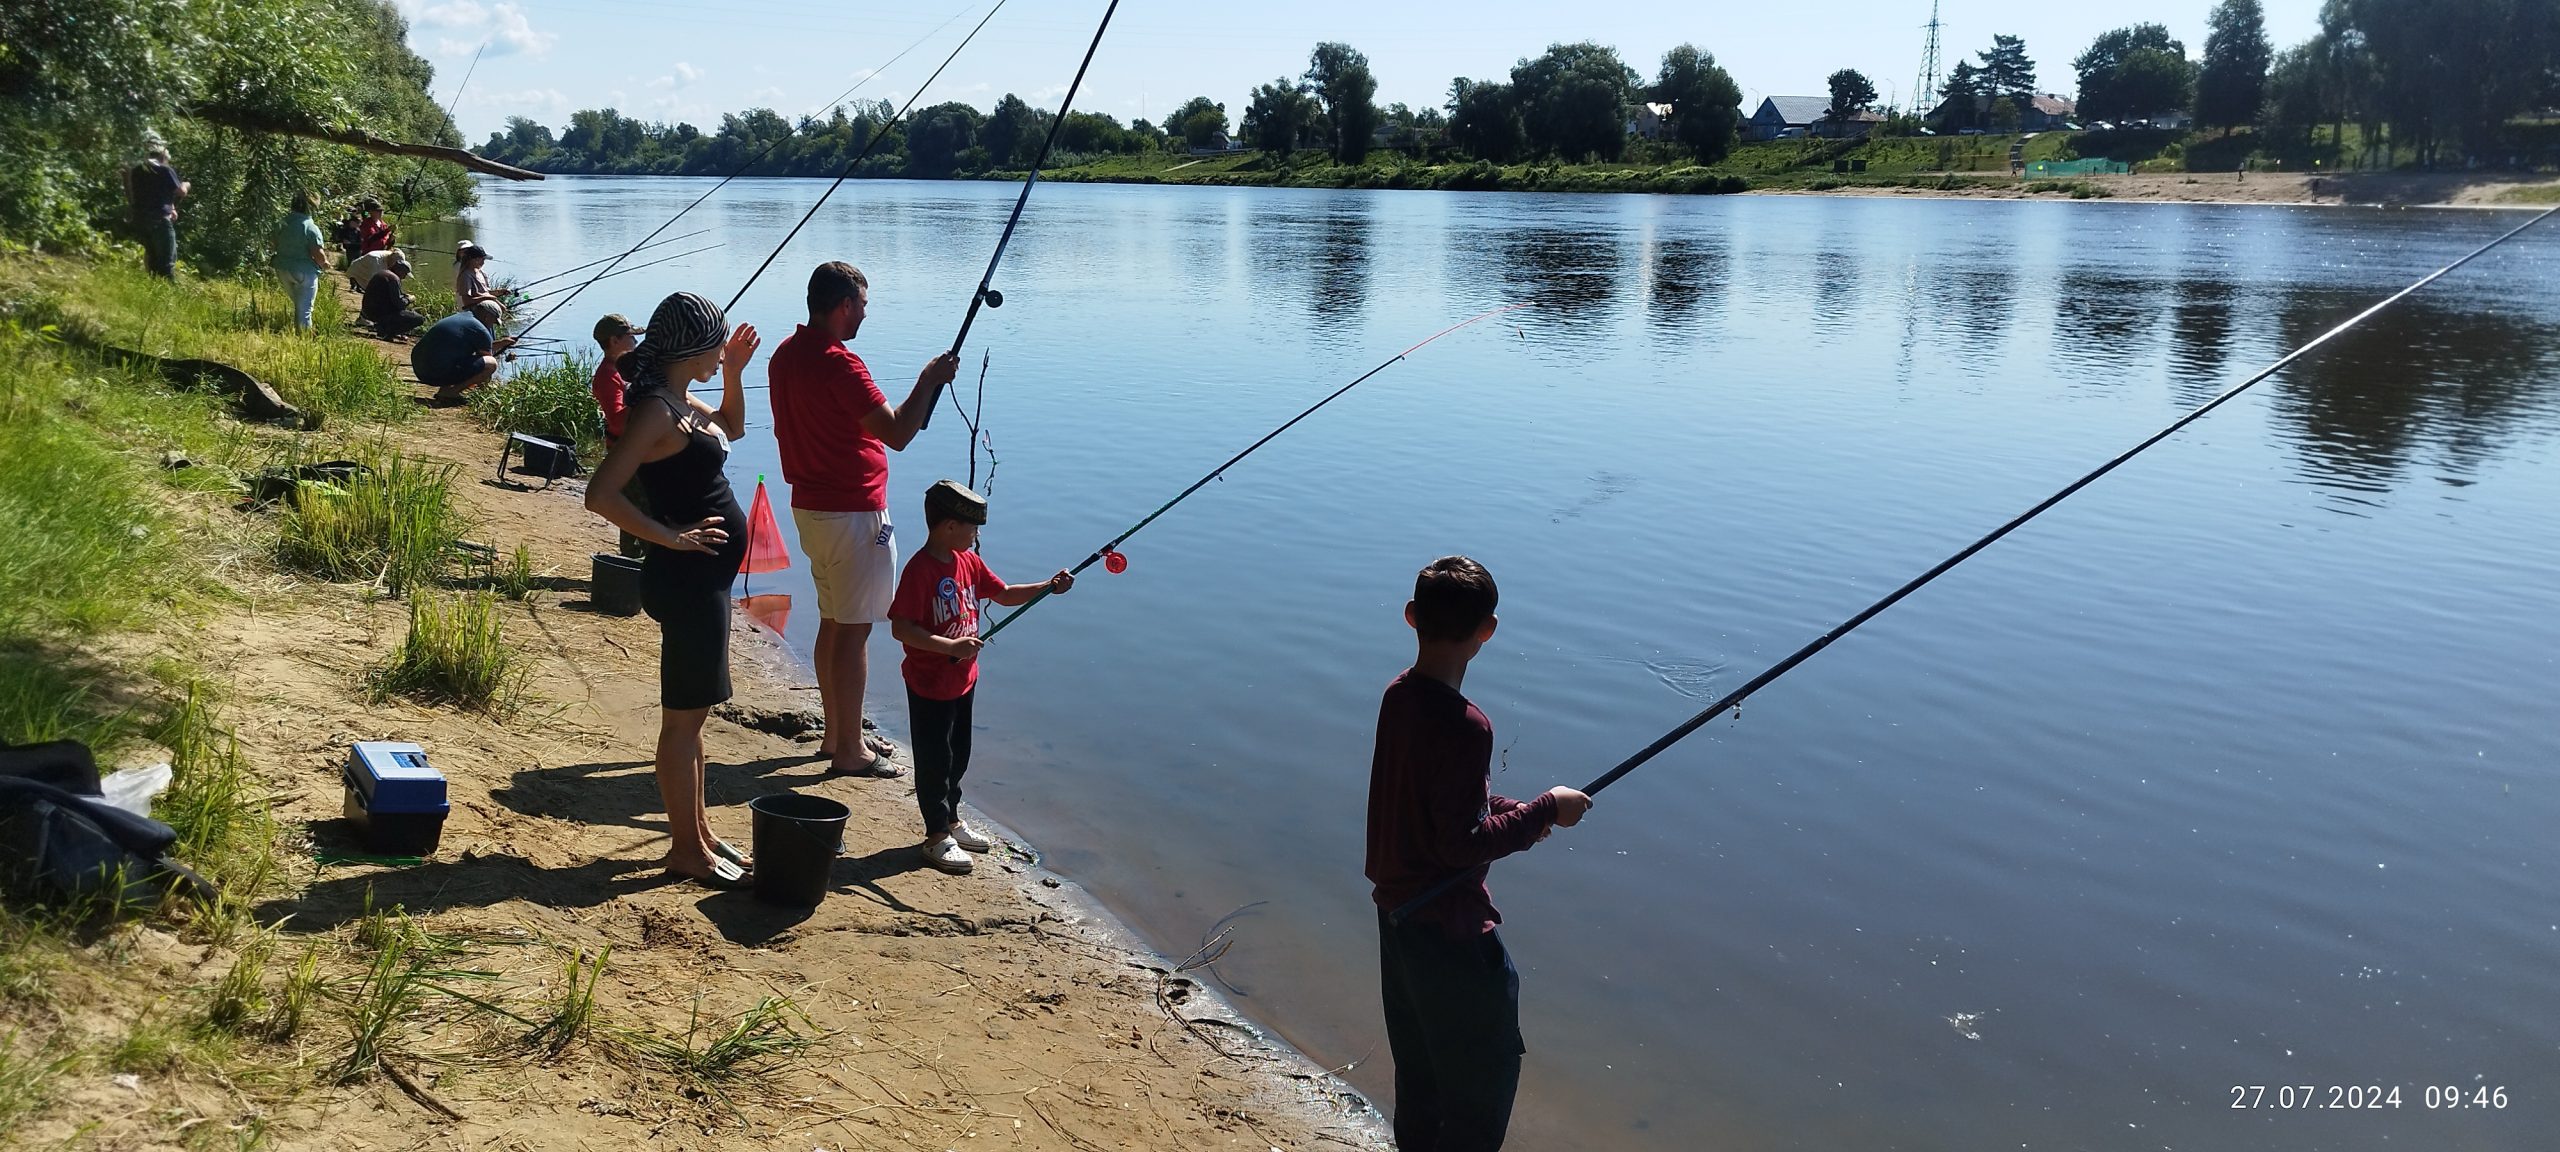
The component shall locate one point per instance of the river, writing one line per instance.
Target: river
(2239, 768)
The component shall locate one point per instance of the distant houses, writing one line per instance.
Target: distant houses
(2044, 112)
(1779, 117)
(1650, 122)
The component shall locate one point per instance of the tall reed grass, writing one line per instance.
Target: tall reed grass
(395, 525)
(549, 396)
(456, 653)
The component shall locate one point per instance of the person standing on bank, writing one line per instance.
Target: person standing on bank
(154, 189)
(836, 429)
(301, 253)
(677, 446)
(1435, 828)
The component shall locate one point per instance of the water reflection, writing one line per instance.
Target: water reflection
(1973, 291)
(2103, 317)
(1323, 252)
(2200, 326)
(1687, 286)
(1835, 291)
(1570, 274)
(2456, 380)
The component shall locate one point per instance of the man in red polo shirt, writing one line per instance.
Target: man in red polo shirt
(835, 429)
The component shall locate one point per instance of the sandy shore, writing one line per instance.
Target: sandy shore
(998, 1010)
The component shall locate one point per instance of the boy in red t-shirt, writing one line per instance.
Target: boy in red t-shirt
(935, 614)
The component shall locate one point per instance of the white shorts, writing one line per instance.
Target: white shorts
(853, 558)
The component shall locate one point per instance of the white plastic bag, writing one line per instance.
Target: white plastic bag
(132, 789)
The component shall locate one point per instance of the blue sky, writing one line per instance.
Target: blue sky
(678, 60)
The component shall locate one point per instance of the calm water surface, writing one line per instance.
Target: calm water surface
(2239, 768)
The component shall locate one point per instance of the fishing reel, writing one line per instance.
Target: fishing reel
(993, 298)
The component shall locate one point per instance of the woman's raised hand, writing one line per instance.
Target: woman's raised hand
(741, 348)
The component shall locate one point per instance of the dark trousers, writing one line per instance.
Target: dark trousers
(160, 247)
(393, 326)
(1453, 1022)
(942, 756)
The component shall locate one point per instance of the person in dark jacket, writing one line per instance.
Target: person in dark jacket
(1435, 828)
(387, 304)
(154, 189)
(696, 540)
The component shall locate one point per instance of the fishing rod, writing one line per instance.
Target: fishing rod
(458, 89)
(602, 259)
(759, 157)
(610, 275)
(1734, 698)
(1109, 555)
(1800, 655)
(859, 157)
(986, 294)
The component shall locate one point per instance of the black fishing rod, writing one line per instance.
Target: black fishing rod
(858, 158)
(612, 274)
(759, 157)
(1109, 554)
(602, 259)
(1823, 641)
(986, 294)
(1764, 679)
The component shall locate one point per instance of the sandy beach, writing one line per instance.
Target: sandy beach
(998, 1010)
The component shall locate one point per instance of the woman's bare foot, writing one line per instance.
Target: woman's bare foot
(705, 869)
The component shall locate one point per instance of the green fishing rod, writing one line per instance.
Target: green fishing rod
(986, 295)
(1735, 698)
(1109, 555)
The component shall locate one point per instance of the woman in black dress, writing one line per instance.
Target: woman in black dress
(676, 445)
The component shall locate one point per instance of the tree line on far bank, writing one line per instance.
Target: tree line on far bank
(2439, 80)
(84, 84)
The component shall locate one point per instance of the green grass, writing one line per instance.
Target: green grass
(571, 1008)
(548, 396)
(29, 1073)
(747, 1046)
(455, 653)
(394, 526)
(329, 371)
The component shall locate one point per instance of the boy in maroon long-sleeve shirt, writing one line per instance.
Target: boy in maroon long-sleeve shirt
(1435, 829)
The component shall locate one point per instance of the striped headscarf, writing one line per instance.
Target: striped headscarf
(684, 325)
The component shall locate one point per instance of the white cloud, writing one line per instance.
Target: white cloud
(534, 103)
(766, 96)
(683, 77)
(503, 27)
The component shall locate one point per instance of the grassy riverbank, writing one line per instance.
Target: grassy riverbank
(2168, 166)
(536, 983)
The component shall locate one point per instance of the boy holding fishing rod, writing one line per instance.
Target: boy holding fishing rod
(1435, 829)
(935, 614)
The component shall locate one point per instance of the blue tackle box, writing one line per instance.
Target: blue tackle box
(395, 798)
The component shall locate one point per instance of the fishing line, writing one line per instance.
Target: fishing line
(1109, 551)
(602, 259)
(1782, 667)
(986, 294)
(1734, 699)
(618, 272)
(777, 142)
(859, 157)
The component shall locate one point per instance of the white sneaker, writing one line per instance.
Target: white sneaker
(943, 853)
(970, 838)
